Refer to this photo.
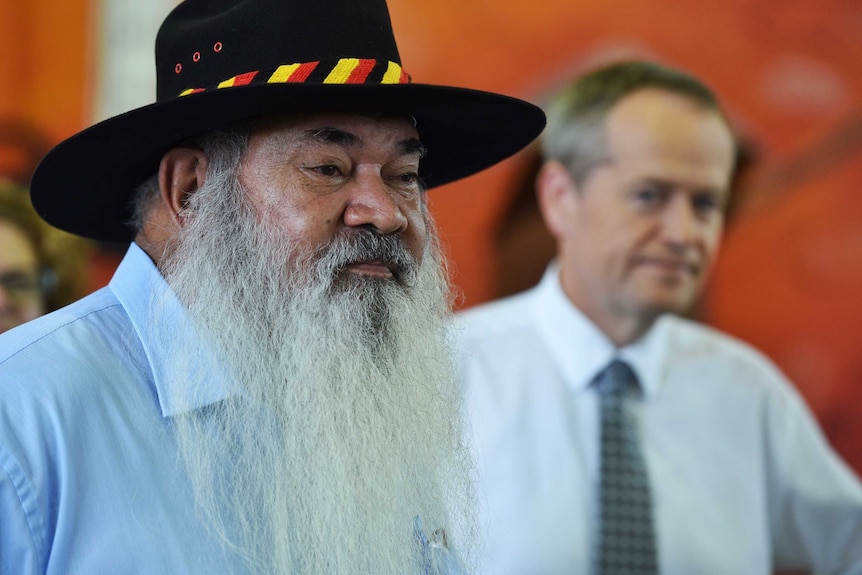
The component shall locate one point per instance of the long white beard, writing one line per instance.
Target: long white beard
(348, 426)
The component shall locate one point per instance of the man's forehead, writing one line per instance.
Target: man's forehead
(343, 129)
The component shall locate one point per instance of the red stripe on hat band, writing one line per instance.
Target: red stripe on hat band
(302, 73)
(361, 72)
(405, 78)
(244, 79)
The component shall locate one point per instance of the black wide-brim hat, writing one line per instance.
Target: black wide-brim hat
(224, 61)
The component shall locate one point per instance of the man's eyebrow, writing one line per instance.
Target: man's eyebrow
(667, 185)
(658, 182)
(330, 135)
(414, 146)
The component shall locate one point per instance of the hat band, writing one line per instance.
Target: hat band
(344, 71)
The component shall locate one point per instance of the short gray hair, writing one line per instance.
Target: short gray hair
(224, 148)
(575, 133)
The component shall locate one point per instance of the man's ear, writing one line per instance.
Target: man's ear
(181, 172)
(555, 192)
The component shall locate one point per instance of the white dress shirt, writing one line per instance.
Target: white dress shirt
(742, 478)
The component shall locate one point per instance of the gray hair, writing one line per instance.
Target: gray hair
(575, 133)
(223, 148)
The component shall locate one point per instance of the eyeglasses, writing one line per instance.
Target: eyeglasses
(24, 287)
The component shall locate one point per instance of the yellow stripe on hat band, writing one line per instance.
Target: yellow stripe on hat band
(341, 72)
(283, 73)
(227, 83)
(392, 75)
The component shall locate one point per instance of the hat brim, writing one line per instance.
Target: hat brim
(85, 184)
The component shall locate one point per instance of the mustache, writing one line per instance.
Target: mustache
(362, 245)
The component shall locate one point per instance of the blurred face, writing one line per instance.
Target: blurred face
(638, 238)
(20, 288)
(312, 179)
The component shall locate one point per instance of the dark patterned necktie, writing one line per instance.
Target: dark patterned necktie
(626, 537)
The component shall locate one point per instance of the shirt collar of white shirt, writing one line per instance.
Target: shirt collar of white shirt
(583, 350)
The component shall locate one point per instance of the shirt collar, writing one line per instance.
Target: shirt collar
(161, 323)
(583, 350)
(648, 357)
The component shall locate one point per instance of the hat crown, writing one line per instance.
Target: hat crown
(219, 62)
(204, 42)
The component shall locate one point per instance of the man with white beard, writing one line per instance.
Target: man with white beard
(264, 386)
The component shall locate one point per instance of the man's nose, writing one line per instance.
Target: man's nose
(373, 203)
(681, 226)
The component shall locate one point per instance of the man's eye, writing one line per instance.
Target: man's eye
(327, 170)
(409, 182)
(705, 204)
(19, 281)
(648, 196)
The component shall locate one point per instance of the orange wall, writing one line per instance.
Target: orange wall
(44, 61)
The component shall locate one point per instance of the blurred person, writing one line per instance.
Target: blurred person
(264, 386)
(612, 435)
(24, 280)
(523, 246)
(79, 266)
(41, 268)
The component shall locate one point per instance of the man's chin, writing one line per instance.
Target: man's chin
(676, 302)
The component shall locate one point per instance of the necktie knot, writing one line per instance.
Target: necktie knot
(616, 379)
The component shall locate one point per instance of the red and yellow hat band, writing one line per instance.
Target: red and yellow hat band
(344, 71)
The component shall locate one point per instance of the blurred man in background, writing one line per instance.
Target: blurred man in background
(24, 280)
(41, 268)
(614, 436)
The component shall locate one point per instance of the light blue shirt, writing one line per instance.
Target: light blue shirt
(90, 480)
(742, 478)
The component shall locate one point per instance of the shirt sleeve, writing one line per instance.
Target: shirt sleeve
(20, 522)
(816, 499)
